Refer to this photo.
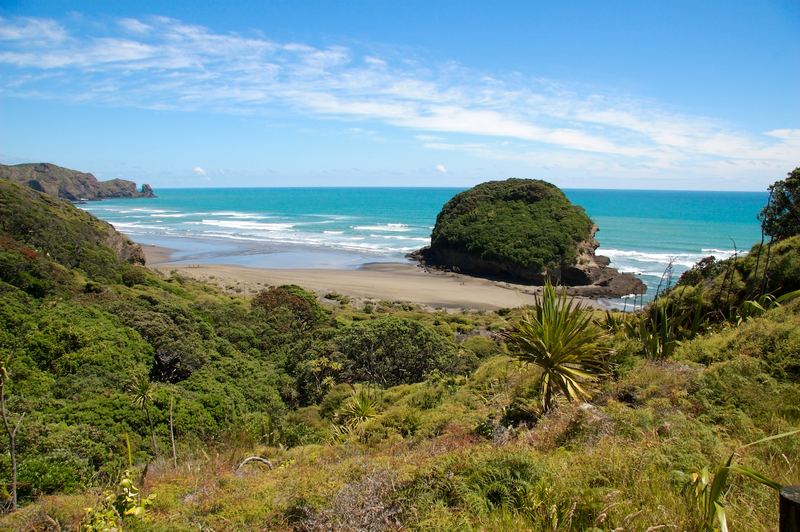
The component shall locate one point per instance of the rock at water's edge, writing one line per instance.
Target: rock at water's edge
(71, 185)
(523, 231)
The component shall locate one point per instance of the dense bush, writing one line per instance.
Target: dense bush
(719, 289)
(390, 351)
(69, 236)
(524, 223)
(434, 446)
(302, 305)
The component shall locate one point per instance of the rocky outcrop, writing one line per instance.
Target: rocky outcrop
(71, 185)
(592, 276)
(126, 249)
(523, 231)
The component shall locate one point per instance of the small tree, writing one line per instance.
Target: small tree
(559, 338)
(302, 305)
(141, 393)
(11, 431)
(388, 351)
(781, 216)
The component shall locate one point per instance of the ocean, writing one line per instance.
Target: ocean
(640, 231)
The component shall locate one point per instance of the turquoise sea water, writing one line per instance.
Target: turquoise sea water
(641, 231)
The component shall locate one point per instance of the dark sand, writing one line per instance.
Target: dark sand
(404, 282)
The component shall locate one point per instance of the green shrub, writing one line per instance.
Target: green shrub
(39, 475)
(133, 275)
(67, 235)
(773, 339)
(740, 394)
(388, 351)
(482, 346)
(721, 289)
(302, 305)
(481, 484)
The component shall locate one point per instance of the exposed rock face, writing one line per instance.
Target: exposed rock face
(523, 231)
(126, 249)
(71, 185)
(591, 275)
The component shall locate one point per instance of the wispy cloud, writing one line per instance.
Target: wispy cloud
(162, 63)
(199, 171)
(441, 169)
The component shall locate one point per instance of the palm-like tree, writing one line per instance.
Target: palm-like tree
(141, 393)
(359, 408)
(559, 337)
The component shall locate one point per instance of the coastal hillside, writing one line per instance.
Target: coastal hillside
(71, 185)
(63, 235)
(150, 402)
(523, 230)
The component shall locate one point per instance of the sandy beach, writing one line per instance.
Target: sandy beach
(380, 281)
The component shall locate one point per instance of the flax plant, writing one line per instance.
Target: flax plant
(705, 489)
(559, 337)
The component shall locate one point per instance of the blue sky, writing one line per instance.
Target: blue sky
(660, 95)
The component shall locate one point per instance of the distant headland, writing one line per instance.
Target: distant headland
(71, 185)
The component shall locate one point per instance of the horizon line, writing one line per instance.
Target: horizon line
(463, 187)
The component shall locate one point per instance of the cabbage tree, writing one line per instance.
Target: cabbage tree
(559, 337)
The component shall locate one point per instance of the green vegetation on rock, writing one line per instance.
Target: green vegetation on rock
(519, 228)
(33, 223)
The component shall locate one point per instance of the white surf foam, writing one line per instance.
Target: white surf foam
(248, 226)
(400, 228)
(240, 215)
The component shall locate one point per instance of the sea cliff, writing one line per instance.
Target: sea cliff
(71, 185)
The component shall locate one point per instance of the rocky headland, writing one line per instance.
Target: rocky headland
(71, 185)
(523, 231)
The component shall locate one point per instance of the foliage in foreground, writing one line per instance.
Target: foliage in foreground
(559, 337)
(382, 416)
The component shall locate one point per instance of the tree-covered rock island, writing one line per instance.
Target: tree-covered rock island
(524, 231)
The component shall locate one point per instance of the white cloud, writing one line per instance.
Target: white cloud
(441, 169)
(429, 138)
(31, 30)
(374, 61)
(133, 25)
(162, 63)
(199, 171)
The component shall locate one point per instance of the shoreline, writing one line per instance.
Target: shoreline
(388, 281)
